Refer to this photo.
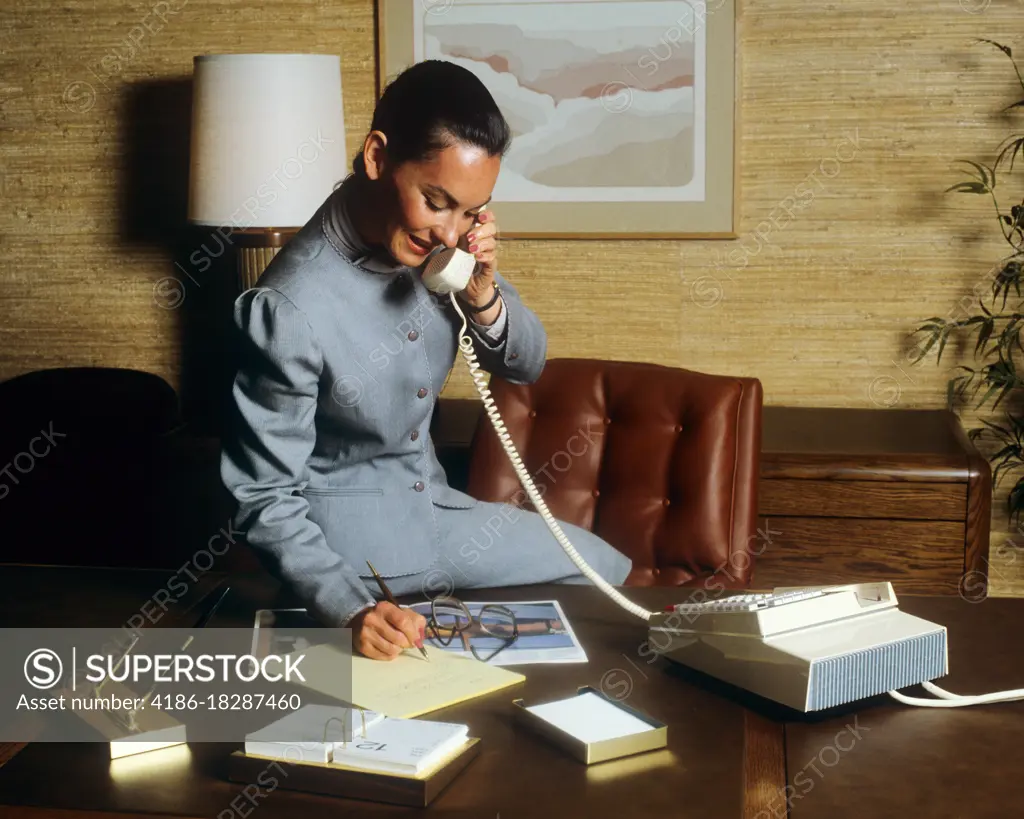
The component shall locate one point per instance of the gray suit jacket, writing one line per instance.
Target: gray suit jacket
(328, 454)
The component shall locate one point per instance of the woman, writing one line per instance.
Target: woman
(344, 351)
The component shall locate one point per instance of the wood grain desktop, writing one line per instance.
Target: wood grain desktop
(516, 773)
(730, 754)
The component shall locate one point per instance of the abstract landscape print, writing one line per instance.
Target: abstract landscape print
(608, 101)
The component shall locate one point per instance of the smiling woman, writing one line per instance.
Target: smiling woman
(344, 352)
(435, 148)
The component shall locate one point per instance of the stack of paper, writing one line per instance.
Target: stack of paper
(404, 746)
(310, 733)
(408, 685)
(590, 718)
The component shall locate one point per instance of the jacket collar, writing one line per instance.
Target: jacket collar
(343, 237)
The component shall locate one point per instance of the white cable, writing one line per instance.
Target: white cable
(950, 700)
(932, 688)
(466, 346)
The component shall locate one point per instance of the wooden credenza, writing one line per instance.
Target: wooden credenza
(852, 495)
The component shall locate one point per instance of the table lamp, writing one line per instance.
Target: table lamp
(267, 148)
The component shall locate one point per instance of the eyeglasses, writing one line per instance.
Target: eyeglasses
(450, 617)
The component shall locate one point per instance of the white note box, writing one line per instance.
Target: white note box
(592, 726)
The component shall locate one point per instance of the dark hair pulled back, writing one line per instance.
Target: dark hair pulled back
(432, 105)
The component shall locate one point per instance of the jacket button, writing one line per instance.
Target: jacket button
(418, 486)
(414, 434)
(413, 335)
(421, 392)
(513, 356)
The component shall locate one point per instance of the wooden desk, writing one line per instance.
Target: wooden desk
(730, 753)
(722, 760)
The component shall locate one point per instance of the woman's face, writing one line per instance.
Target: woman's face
(424, 205)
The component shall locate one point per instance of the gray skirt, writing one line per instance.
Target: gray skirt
(497, 544)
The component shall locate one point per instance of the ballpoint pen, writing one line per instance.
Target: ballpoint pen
(390, 598)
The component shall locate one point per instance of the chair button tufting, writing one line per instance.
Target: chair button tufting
(596, 493)
(666, 502)
(533, 413)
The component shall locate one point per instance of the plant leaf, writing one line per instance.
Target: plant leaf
(1005, 49)
(983, 334)
(991, 391)
(968, 187)
(942, 344)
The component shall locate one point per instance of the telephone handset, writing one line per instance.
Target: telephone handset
(449, 270)
(808, 647)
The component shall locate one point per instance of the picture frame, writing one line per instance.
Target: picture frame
(624, 112)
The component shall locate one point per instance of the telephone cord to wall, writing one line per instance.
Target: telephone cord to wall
(945, 699)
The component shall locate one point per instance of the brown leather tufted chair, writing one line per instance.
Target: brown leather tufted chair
(661, 462)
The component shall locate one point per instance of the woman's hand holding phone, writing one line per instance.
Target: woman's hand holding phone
(482, 242)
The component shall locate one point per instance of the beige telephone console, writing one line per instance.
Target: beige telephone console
(809, 648)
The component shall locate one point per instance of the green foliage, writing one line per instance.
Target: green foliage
(997, 347)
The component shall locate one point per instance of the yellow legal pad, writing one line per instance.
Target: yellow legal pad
(410, 685)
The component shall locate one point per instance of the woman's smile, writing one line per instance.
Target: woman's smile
(419, 246)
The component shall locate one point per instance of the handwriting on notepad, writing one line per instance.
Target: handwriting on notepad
(407, 686)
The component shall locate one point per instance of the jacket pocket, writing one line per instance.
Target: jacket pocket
(342, 491)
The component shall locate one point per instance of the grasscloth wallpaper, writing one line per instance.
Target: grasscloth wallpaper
(851, 118)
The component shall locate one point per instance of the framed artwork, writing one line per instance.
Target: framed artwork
(623, 111)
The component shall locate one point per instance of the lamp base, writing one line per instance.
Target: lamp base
(256, 249)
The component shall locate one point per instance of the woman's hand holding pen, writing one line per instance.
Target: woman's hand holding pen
(482, 242)
(384, 631)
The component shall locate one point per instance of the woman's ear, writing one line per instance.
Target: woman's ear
(375, 154)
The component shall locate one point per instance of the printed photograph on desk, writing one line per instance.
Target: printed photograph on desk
(541, 633)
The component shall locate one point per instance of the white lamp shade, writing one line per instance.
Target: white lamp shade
(268, 138)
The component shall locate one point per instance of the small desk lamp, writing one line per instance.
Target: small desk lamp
(268, 147)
